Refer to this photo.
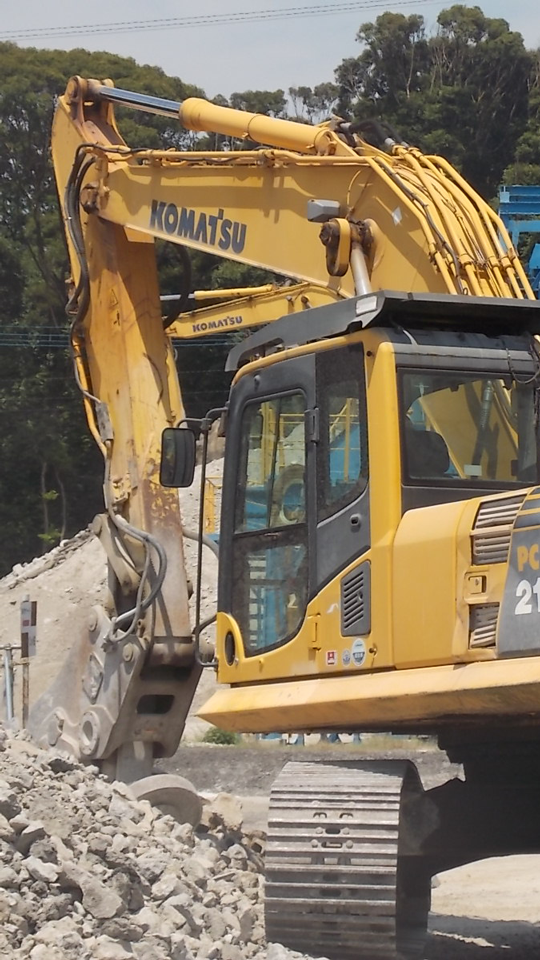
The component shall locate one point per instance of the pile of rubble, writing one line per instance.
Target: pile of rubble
(70, 580)
(88, 873)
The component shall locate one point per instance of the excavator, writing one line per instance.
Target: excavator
(380, 531)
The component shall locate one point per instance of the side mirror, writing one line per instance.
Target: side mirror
(177, 467)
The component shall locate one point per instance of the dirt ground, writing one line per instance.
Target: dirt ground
(484, 911)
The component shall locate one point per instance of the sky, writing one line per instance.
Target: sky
(234, 56)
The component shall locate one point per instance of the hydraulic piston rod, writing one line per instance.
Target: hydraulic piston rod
(138, 101)
(197, 114)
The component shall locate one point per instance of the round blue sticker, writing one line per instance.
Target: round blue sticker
(358, 652)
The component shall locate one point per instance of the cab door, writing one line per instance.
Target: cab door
(296, 495)
(269, 507)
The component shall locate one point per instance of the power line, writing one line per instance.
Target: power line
(56, 339)
(206, 20)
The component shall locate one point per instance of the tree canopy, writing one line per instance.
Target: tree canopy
(463, 92)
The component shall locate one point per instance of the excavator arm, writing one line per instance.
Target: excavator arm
(248, 307)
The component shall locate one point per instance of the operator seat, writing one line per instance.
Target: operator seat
(427, 454)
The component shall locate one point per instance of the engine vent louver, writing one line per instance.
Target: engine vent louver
(356, 601)
(483, 624)
(493, 528)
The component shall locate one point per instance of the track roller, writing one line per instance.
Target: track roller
(342, 878)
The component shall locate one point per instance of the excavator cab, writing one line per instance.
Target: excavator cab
(415, 402)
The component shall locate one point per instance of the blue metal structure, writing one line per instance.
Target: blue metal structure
(519, 209)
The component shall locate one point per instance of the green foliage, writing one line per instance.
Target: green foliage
(462, 92)
(50, 483)
(314, 104)
(525, 168)
(272, 103)
(221, 738)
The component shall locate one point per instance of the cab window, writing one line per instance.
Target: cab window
(468, 428)
(342, 469)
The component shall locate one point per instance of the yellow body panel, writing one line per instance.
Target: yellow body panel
(406, 699)
(430, 559)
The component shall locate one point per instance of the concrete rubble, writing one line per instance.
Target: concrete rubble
(88, 873)
(69, 581)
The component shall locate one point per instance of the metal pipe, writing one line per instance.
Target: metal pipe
(362, 283)
(8, 683)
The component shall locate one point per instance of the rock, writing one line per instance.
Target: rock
(122, 928)
(34, 830)
(237, 855)
(199, 870)
(100, 901)
(152, 865)
(167, 886)
(215, 924)
(6, 830)
(56, 907)
(19, 822)
(247, 918)
(231, 952)
(276, 952)
(8, 878)
(61, 763)
(223, 810)
(147, 919)
(130, 889)
(119, 807)
(87, 873)
(40, 870)
(179, 948)
(104, 948)
(56, 932)
(45, 850)
(151, 949)
(9, 803)
(49, 952)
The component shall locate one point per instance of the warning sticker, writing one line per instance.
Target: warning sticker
(331, 658)
(358, 652)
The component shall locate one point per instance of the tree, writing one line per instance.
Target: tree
(390, 69)
(51, 475)
(314, 104)
(525, 168)
(480, 72)
(270, 102)
(462, 92)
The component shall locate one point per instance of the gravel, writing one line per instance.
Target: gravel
(89, 873)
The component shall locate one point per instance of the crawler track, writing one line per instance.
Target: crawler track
(338, 882)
